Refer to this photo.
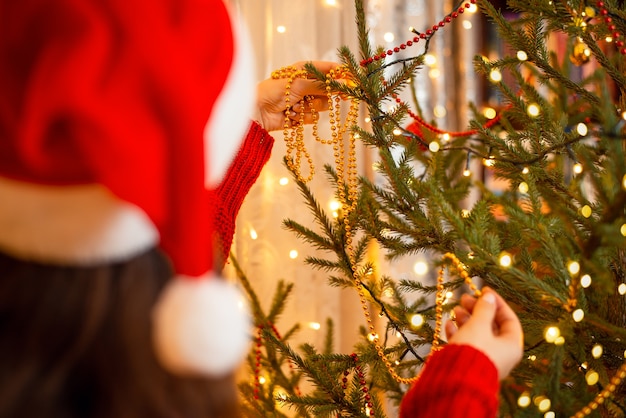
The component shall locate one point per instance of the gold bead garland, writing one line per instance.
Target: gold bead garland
(439, 299)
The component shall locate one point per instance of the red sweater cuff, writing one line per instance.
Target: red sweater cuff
(457, 381)
(242, 173)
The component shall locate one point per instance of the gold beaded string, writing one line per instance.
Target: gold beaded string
(439, 299)
(614, 383)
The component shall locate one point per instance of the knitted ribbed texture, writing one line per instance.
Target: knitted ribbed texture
(242, 173)
(457, 381)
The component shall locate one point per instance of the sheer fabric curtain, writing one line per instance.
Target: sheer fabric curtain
(286, 31)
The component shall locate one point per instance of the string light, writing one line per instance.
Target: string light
(543, 403)
(597, 351)
(585, 281)
(430, 60)
(578, 315)
(533, 110)
(506, 260)
(582, 129)
(489, 113)
(495, 75)
(523, 187)
(389, 37)
(465, 213)
(420, 268)
(592, 377)
(577, 168)
(524, 400)
(573, 267)
(293, 254)
(417, 320)
(434, 146)
(549, 414)
(467, 24)
(551, 334)
(521, 55)
(281, 29)
(585, 211)
(623, 230)
(525, 170)
(621, 289)
(397, 132)
(315, 325)
(253, 234)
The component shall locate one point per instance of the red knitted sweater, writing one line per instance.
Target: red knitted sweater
(241, 175)
(457, 381)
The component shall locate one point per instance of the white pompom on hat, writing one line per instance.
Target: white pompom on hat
(109, 148)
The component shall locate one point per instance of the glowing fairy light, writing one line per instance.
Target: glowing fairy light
(624, 182)
(585, 211)
(433, 146)
(262, 380)
(472, 8)
(293, 254)
(467, 173)
(532, 357)
(522, 56)
(489, 113)
(573, 267)
(253, 234)
(523, 187)
(585, 281)
(577, 168)
(551, 334)
(489, 162)
(315, 326)
(465, 213)
(330, 2)
(505, 260)
(281, 29)
(609, 39)
(578, 315)
(597, 351)
(533, 110)
(592, 377)
(430, 60)
(389, 37)
(334, 205)
(467, 24)
(549, 414)
(525, 170)
(283, 181)
(417, 320)
(623, 230)
(420, 268)
(372, 336)
(582, 129)
(397, 132)
(445, 137)
(543, 403)
(621, 289)
(495, 75)
(440, 111)
(560, 340)
(524, 400)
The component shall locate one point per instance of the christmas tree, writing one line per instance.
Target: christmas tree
(550, 238)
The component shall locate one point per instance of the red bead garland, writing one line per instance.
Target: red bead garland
(257, 363)
(617, 37)
(423, 35)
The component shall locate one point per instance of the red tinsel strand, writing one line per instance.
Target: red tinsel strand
(424, 35)
(617, 37)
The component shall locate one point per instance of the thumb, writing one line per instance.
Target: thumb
(485, 309)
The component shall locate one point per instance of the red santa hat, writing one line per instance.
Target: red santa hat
(117, 119)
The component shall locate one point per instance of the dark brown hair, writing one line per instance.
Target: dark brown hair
(76, 342)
